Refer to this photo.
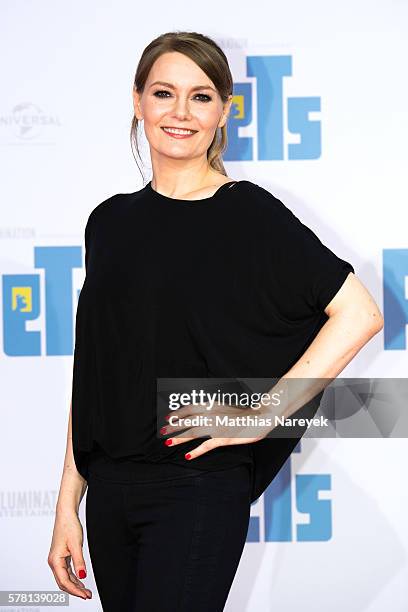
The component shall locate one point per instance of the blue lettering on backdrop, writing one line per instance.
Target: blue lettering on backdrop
(277, 502)
(21, 303)
(395, 271)
(268, 73)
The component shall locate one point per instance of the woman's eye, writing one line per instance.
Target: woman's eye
(156, 93)
(205, 96)
(163, 91)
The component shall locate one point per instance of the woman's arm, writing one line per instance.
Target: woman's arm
(67, 537)
(73, 486)
(354, 318)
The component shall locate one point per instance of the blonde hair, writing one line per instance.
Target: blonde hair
(210, 58)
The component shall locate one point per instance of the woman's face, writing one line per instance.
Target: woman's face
(175, 103)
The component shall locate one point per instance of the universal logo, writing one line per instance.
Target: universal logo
(28, 123)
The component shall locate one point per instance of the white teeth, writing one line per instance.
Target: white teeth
(177, 131)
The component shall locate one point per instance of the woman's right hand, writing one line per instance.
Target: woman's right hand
(66, 544)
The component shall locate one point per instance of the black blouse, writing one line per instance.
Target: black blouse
(233, 285)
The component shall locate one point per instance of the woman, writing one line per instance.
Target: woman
(195, 275)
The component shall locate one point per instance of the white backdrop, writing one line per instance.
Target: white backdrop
(65, 110)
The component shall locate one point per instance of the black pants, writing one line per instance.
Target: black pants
(169, 545)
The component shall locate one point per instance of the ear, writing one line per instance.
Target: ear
(136, 104)
(225, 112)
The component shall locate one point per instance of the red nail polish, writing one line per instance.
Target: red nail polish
(187, 456)
(168, 442)
(82, 573)
(163, 430)
(167, 417)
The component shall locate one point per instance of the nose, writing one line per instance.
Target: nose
(182, 108)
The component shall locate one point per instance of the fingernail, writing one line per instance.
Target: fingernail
(168, 442)
(167, 417)
(82, 573)
(163, 430)
(187, 456)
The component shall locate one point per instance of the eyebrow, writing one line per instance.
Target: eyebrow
(195, 88)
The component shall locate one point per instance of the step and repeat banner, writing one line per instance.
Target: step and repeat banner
(320, 119)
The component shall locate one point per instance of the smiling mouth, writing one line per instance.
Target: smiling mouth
(178, 131)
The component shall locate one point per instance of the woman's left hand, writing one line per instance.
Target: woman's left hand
(205, 424)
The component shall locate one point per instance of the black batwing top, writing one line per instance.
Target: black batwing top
(232, 285)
